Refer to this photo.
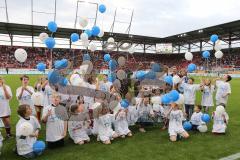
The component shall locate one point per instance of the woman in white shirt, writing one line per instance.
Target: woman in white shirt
(5, 111)
(24, 93)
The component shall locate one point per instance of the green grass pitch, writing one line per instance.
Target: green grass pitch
(152, 145)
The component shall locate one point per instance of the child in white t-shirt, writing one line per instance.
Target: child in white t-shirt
(196, 118)
(207, 95)
(220, 120)
(78, 124)
(189, 92)
(223, 90)
(24, 93)
(55, 117)
(105, 121)
(175, 123)
(25, 143)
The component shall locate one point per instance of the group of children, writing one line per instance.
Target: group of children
(82, 116)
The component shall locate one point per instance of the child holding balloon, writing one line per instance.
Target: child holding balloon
(220, 120)
(27, 130)
(175, 127)
(196, 118)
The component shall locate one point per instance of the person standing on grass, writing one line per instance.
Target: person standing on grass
(5, 111)
(24, 93)
(223, 90)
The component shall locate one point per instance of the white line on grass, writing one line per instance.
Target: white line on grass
(231, 157)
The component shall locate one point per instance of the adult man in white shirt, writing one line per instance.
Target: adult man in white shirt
(223, 90)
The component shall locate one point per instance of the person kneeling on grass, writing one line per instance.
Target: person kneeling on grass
(175, 123)
(105, 121)
(24, 142)
(220, 120)
(78, 124)
(56, 125)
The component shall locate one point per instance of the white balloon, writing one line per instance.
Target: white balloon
(84, 37)
(176, 79)
(219, 54)
(92, 47)
(218, 45)
(220, 110)
(121, 74)
(156, 100)
(101, 34)
(37, 98)
(43, 36)
(21, 55)
(25, 129)
(121, 61)
(180, 100)
(131, 50)
(85, 43)
(110, 40)
(76, 80)
(83, 21)
(202, 128)
(188, 56)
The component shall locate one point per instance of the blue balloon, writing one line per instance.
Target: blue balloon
(50, 42)
(140, 75)
(165, 99)
(206, 54)
(63, 81)
(150, 75)
(88, 32)
(86, 57)
(52, 26)
(124, 103)
(168, 80)
(174, 95)
(74, 37)
(214, 38)
(112, 65)
(206, 118)
(53, 77)
(95, 30)
(107, 57)
(102, 8)
(187, 126)
(191, 67)
(64, 63)
(155, 67)
(39, 147)
(41, 66)
(111, 77)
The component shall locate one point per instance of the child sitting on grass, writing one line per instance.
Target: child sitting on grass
(196, 119)
(220, 120)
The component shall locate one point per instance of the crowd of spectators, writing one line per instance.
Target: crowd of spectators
(134, 61)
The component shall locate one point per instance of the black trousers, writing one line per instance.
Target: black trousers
(189, 110)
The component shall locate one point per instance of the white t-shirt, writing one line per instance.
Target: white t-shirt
(78, 131)
(196, 118)
(121, 123)
(4, 103)
(175, 123)
(89, 100)
(207, 96)
(223, 88)
(25, 145)
(189, 92)
(220, 122)
(105, 131)
(26, 97)
(54, 125)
